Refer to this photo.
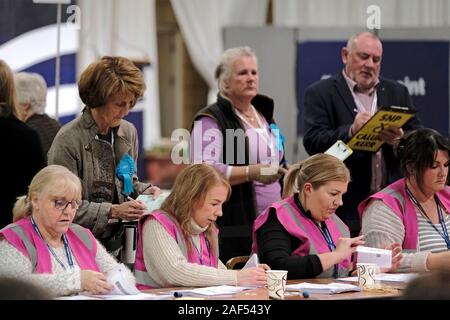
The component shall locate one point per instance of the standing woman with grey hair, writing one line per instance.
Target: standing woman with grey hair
(252, 160)
(22, 155)
(31, 90)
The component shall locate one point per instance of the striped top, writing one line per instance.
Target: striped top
(382, 227)
(429, 238)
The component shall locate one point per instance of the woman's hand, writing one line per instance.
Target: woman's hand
(94, 282)
(265, 173)
(397, 257)
(154, 190)
(129, 210)
(346, 246)
(253, 276)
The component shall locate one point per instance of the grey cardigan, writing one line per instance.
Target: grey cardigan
(77, 147)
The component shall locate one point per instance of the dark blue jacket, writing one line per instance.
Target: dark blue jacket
(328, 115)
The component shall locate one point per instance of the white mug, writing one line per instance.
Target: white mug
(366, 274)
(276, 283)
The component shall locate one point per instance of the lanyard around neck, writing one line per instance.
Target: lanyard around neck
(66, 247)
(324, 231)
(326, 234)
(444, 233)
(199, 253)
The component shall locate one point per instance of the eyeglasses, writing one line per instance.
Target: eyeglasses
(62, 204)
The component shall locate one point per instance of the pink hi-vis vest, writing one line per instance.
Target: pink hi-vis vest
(143, 278)
(311, 239)
(396, 198)
(27, 241)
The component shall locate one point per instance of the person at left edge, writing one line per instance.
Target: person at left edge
(22, 156)
(93, 144)
(44, 247)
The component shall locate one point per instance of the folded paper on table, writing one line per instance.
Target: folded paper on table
(139, 296)
(380, 257)
(387, 277)
(330, 288)
(211, 291)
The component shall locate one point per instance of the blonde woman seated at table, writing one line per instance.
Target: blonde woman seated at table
(177, 245)
(414, 210)
(43, 247)
(302, 234)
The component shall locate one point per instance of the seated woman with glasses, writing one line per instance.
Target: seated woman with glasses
(44, 247)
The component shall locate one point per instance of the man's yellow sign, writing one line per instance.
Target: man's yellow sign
(368, 137)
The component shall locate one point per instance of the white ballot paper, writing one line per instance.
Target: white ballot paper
(211, 291)
(330, 288)
(340, 150)
(380, 257)
(122, 284)
(153, 204)
(253, 261)
(386, 277)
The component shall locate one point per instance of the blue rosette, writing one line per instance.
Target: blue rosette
(124, 171)
(279, 136)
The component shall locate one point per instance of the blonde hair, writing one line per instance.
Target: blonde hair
(189, 192)
(225, 67)
(54, 179)
(317, 170)
(109, 76)
(8, 100)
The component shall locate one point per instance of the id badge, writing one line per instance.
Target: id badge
(340, 150)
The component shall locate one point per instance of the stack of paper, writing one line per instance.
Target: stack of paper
(387, 277)
(380, 257)
(211, 291)
(139, 296)
(329, 288)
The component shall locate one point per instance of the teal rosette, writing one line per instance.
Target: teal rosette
(279, 136)
(124, 171)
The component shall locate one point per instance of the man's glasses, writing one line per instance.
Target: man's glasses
(62, 204)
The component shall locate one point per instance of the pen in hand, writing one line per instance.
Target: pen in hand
(127, 196)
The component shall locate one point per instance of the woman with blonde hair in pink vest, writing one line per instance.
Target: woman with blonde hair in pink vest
(301, 233)
(45, 248)
(178, 244)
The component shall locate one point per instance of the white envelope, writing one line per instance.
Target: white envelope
(381, 257)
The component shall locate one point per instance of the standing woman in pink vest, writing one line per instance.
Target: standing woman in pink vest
(302, 234)
(414, 210)
(43, 247)
(178, 244)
